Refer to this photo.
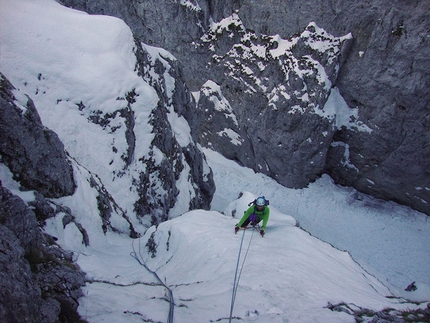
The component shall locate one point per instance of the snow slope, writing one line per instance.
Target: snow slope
(288, 276)
(389, 240)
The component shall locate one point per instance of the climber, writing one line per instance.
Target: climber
(258, 211)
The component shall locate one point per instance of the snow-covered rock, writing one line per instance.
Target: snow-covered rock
(120, 107)
(33, 153)
(130, 159)
(276, 90)
(382, 81)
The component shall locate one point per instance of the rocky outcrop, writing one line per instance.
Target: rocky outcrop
(383, 76)
(387, 315)
(140, 137)
(387, 79)
(32, 152)
(38, 280)
(179, 154)
(280, 86)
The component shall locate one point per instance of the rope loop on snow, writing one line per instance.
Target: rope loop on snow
(237, 277)
(139, 259)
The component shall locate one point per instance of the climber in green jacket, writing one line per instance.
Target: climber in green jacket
(256, 212)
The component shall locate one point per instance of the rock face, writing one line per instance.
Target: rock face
(291, 89)
(39, 281)
(32, 152)
(281, 87)
(383, 75)
(153, 70)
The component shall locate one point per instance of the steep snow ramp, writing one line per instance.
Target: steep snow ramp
(288, 276)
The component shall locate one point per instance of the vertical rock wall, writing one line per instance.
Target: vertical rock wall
(385, 75)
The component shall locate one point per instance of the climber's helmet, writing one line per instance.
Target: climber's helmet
(260, 203)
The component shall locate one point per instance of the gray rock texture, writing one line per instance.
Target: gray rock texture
(387, 315)
(38, 280)
(276, 90)
(152, 70)
(384, 73)
(33, 153)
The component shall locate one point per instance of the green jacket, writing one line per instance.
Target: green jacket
(262, 215)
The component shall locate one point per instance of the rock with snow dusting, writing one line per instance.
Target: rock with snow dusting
(382, 77)
(129, 120)
(176, 106)
(39, 281)
(33, 153)
(276, 91)
(134, 157)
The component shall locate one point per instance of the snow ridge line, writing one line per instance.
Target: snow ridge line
(139, 259)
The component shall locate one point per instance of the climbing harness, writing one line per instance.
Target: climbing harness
(237, 277)
(139, 259)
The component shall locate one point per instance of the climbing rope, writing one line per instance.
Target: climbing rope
(237, 277)
(139, 259)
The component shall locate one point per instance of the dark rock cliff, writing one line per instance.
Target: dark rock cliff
(39, 281)
(384, 73)
(263, 108)
(32, 152)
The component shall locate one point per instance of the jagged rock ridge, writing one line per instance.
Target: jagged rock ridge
(281, 86)
(135, 128)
